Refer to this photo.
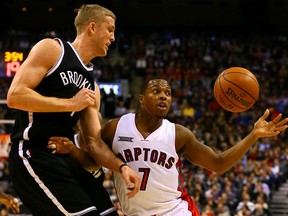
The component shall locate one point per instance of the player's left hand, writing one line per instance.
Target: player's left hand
(11, 202)
(60, 145)
(132, 180)
(262, 128)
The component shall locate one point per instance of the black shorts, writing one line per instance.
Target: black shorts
(55, 185)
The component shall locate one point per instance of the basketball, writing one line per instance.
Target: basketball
(236, 89)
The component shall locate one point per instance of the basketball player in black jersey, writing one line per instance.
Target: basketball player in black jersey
(52, 91)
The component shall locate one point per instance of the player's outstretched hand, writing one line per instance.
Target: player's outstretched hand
(132, 181)
(262, 128)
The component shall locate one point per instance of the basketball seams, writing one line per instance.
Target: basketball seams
(239, 88)
(243, 73)
(223, 94)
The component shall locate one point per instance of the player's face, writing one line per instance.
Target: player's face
(104, 35)
(157, 98)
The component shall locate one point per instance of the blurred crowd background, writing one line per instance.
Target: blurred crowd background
(190, 57)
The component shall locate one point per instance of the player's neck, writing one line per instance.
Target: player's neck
(147, 125)
(82, 51)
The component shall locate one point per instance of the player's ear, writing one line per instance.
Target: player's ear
(141, 98)
(92, 27)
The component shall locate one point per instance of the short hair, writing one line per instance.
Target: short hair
(146, 83)
(88, 13)
(144, 86)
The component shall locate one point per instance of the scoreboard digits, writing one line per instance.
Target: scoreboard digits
(13, 61)
(12, 67)
(13, 56)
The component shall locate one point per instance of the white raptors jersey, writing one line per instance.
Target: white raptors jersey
(154, 159)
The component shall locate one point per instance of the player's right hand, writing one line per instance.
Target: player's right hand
(132, 181)
(84, 98)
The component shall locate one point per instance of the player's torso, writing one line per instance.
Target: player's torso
(154, 159)
(64, 80)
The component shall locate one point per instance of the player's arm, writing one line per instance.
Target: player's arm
(202, 155)
(21, 94)
(90, 127)
(62, 145)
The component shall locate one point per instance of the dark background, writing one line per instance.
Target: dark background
(237, 15)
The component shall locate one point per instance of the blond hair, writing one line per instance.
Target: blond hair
(88, 13)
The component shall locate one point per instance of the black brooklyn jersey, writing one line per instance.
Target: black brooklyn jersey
(67, 76)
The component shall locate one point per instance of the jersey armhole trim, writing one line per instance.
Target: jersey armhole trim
(52, 69)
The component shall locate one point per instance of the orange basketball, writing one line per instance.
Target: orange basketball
(236, 89)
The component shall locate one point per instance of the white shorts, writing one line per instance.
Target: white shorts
(180, 210)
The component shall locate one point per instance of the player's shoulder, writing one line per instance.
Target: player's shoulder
(181, 130)
(45, 52)
(183, 136)
(108, 130)
(112, 123)
(48, 44)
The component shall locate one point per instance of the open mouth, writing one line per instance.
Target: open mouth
(162, 106)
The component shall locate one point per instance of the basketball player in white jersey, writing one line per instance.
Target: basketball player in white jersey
(151, 145)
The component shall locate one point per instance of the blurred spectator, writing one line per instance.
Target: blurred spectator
(245, 203)
(261, 207)
(244, 211)
(222, 210)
